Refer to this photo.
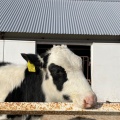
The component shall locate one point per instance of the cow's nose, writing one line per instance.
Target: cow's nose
(90, 101)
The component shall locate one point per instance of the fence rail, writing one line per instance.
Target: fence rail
(57, 108)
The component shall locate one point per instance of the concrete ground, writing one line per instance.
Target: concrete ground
(81, 117)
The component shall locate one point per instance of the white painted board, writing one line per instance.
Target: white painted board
(14, 48)
(1, 50)
(105, 71)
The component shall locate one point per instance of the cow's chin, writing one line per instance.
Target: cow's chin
(79, 104)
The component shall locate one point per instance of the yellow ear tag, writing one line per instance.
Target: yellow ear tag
(31, 67)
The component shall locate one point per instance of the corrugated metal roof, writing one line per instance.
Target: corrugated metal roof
(101, 0)
(60, 17)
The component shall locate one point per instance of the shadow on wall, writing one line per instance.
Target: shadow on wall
(81, 118)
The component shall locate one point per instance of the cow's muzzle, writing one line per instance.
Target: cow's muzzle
(90, 101)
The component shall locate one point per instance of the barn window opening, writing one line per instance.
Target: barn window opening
(80, 50)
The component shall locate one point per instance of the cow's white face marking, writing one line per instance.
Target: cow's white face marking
(76, 87)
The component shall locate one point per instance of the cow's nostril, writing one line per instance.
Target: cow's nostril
(90, 101)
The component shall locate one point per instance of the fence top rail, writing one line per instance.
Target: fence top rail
(38, 108)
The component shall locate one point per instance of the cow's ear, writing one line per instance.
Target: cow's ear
(24, 56)
(33, 58)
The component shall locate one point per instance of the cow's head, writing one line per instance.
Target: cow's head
(64, 79)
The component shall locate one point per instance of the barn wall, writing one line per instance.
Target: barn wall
(105, 65)
(106, 71)
(1, 50)
(13, 48)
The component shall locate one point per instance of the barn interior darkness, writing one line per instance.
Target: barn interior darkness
(80, 50)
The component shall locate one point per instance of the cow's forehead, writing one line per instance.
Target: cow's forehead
(62, 56)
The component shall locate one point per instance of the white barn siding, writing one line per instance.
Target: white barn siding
(1, 50)
(106, 71)
(13, 50)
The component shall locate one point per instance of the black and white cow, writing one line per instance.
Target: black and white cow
(58, 77)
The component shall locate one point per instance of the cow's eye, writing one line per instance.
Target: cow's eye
(66, 97)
